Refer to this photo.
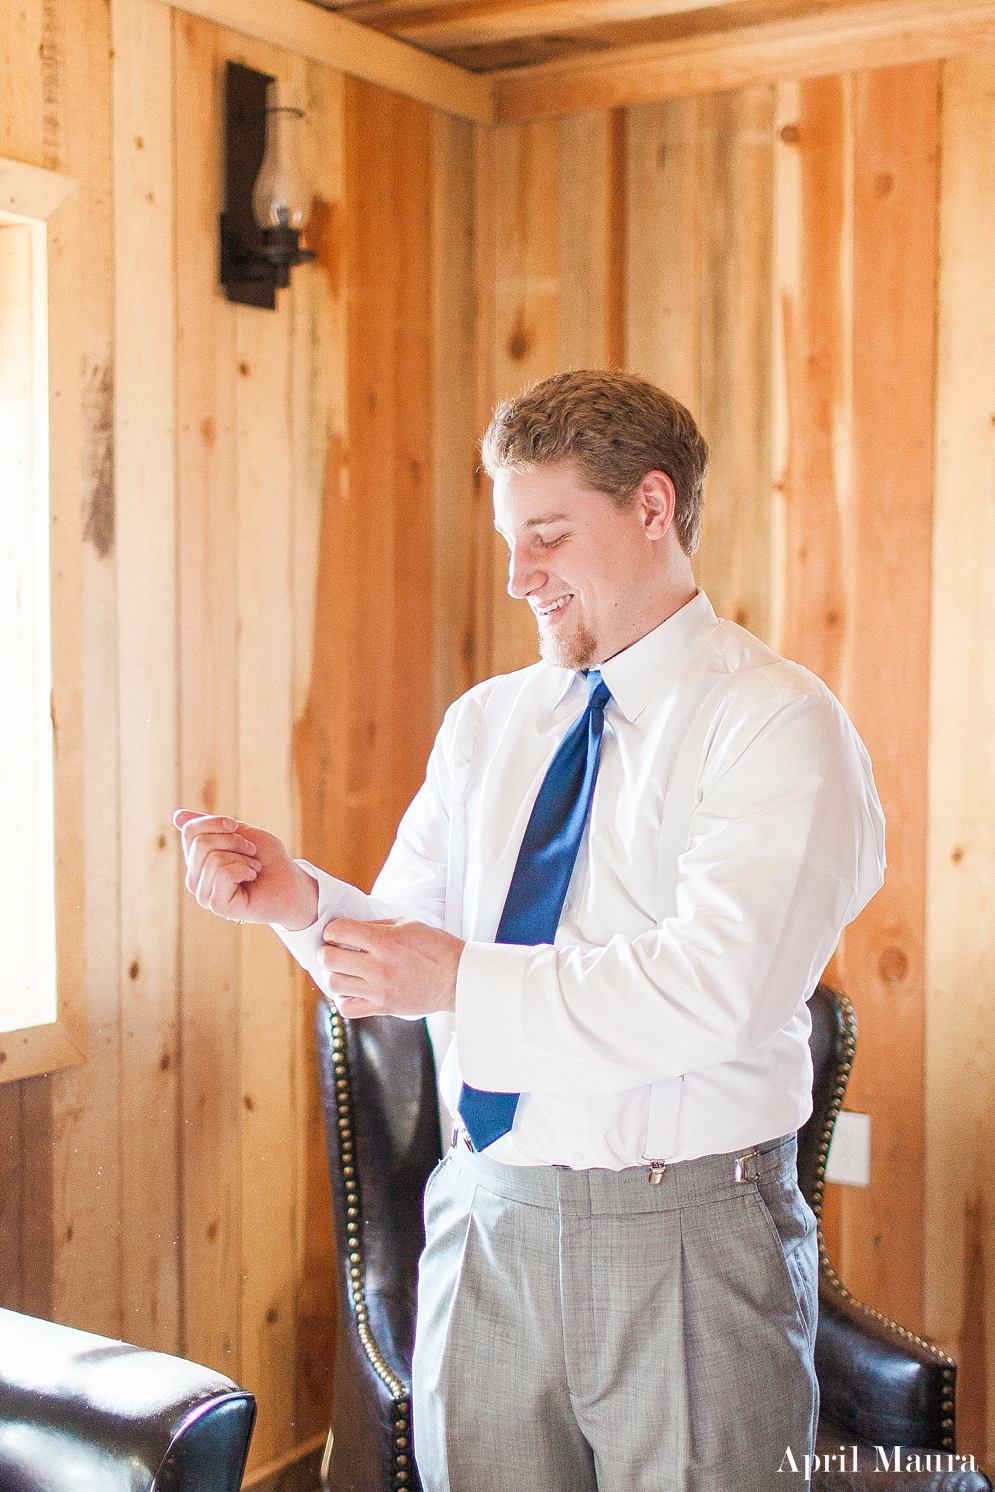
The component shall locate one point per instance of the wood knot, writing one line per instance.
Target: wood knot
(134, 969)
(272, 1316)
(790, 134)
(519, 343)
(212, 1231)
(957, 854)
(893, 965)
(249, 1103)
(884, 184)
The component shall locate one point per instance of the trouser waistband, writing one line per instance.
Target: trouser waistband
(676, 1184)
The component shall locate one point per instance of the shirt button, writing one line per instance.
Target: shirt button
(578, 1155)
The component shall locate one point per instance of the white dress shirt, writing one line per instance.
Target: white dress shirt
(735, 830)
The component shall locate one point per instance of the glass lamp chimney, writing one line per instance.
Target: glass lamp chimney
(281, 197)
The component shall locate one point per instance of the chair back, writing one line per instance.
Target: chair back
(382, 1131)
(832, 1044)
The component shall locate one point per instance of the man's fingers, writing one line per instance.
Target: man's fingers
(193, 826)
(348, 933)
(221, 882)
(356, 1008)
(206, 845)
(352, 961)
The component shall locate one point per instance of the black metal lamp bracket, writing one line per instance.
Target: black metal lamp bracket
(254, 263)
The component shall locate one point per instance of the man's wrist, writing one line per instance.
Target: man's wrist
(307, 914)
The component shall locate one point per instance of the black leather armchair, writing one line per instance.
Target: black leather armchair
(880, 1384)
(83, 1413)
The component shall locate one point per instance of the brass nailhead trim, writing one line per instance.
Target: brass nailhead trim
(849, 1019)
(357, 1288)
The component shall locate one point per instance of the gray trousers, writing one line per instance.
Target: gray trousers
(584, 1331)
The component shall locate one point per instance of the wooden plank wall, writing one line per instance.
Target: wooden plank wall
(854, 290)
(264, 603)
(960, 1055)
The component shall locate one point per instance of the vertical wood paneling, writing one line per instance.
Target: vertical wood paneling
(813, 395)
(412, 644)
(267, 1010)
(959, 1246)
(699, 263)
(856, 322)
(734, 407)
(11, 1197)
(26, 1151)
(208, 677)
(87, 1206)
(812, 398)
(592, 239)
(21, 121)
(525, 187)
(26, 1196)
(454, 433)
(144, 439)
(318, 416)
(895, 132)
(367, 730)
(484, 259)
(665, 251)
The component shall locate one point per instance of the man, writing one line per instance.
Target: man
(624, 874)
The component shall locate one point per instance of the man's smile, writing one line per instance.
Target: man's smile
(549, 608)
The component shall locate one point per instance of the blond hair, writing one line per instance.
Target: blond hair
(615, 428)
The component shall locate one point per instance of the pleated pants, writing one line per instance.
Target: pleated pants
(585, 1331)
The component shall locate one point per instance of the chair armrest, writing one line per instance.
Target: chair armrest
(78, 1410)
(880, 1384)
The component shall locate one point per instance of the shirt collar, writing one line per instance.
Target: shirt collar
(635, 675)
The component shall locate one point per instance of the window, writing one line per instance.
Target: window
(32, 1037)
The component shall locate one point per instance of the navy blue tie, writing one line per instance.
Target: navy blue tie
(542, 874)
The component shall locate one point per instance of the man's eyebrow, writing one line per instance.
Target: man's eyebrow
(546, 518)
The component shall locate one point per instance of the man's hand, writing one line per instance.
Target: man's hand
(243, 873)
(390, 968)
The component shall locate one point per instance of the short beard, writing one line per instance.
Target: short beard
(579, 650)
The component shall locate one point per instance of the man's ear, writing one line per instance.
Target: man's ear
(657, 502)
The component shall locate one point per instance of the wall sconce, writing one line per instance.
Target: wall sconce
(267, 195)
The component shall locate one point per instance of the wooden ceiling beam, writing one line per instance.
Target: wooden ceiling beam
(358, 50)
(476, 22)
(884, 34)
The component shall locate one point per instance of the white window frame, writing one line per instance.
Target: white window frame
(29, 197)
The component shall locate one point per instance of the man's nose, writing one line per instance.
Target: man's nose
(524, 576)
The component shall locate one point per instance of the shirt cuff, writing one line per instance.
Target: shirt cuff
(335, 899)
(490, 1035)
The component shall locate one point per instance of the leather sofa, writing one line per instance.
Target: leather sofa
(84, 1413)
(880, 1384)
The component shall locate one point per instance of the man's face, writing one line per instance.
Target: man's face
(587, 568)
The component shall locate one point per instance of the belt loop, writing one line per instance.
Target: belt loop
(743, 1170)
